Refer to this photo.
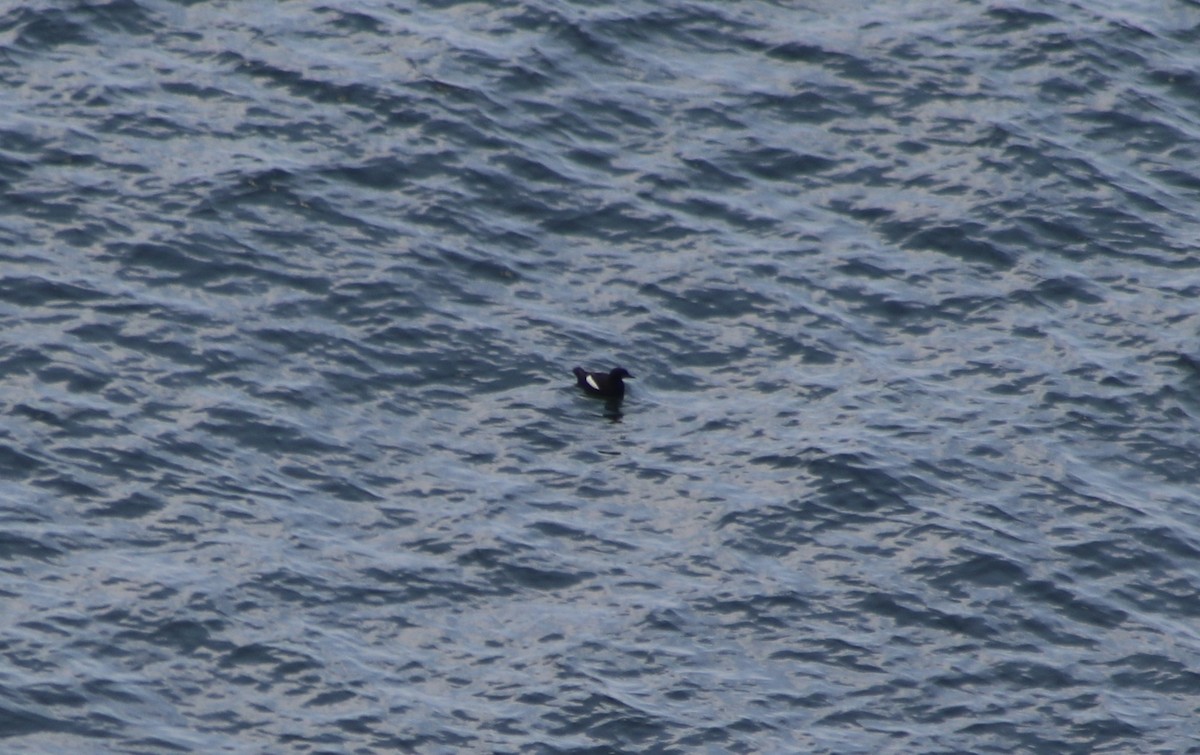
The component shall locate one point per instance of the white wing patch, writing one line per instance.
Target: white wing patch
(592, 382)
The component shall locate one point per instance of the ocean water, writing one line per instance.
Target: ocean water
(291, 459)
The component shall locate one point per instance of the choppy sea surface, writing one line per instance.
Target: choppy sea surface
(291, 459)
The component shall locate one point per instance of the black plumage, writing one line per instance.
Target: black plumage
(608, 384)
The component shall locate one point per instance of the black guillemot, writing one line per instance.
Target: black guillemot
(608, 384)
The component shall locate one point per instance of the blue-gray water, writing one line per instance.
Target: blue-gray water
(290, 455)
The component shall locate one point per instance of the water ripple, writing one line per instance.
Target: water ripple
(291, 454)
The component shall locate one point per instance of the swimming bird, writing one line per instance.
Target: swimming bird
(609, 385)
